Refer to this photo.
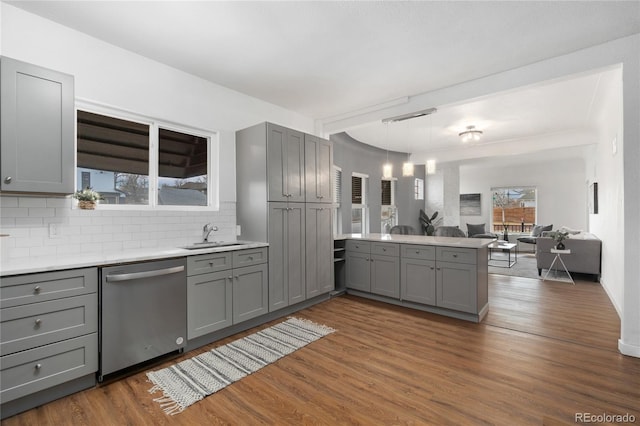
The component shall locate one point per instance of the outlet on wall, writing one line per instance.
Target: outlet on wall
(54, 230)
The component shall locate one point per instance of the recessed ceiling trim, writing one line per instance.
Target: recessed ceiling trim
(410, 115)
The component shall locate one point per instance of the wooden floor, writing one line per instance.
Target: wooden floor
(545, 352)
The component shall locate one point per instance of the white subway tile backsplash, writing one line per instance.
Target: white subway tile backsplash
(27, 220)
(8, 201)
(32, 202)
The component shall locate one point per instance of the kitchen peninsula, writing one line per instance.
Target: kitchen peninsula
(442, 275)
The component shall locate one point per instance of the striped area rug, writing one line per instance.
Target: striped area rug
(191, 380)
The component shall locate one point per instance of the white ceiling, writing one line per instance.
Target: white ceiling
(327, 58)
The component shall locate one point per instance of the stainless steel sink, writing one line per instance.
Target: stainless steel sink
(208, 244)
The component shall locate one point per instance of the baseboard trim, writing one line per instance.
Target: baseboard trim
(627, 349)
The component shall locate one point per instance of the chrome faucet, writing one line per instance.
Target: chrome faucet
(206, 230)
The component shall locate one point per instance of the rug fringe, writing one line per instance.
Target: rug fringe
(306, 321)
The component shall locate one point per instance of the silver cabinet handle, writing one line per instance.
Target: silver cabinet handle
(384, 249)
(438, 269)
(146, 274)
(431, 267)
(38, 322)
(229, 277)
(250, 257)
(38, 366)
(36, 290)
(237, 277)
(455, 255)
(8, 179)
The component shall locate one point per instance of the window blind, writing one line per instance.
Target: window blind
(356, 190)
(386, 192)
(337, 186)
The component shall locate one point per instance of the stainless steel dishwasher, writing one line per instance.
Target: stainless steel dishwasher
(143, 313)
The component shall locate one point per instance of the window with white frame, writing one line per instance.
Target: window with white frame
(388, 209)
(337, 196)
(418, 189)
(136, 161)
(359, 210)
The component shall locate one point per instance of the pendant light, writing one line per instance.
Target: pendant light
(407, 166)
(387, 168)
(431, 163)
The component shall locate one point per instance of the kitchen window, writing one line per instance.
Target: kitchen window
(337, 196)
(388, 210)
(137, 161)
(359, 210)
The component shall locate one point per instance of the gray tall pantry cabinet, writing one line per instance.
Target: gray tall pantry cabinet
(283, 182)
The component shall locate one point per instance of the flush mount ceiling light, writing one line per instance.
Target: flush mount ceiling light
(471, 134)
(410, 115)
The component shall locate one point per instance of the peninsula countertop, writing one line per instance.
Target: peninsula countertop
(472, 243)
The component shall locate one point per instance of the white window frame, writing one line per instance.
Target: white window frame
(392, 207)
(337, 217)
(364, 205)
(418, 189)
(213, 162)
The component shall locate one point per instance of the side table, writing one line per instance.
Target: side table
(558, 257)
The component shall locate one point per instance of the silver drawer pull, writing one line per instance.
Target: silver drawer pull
(7, 179)
(384, 249)
(417, 251)
(36, 289)
(431, 267)
(38, 322)
(250, 257)
(455, 255)
(210, 263)
(38, 366)
(230, 277)
(237, 277)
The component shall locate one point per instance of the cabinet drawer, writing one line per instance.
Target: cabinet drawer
(37, 324)
(207, 263)
(34, 370)
(31, 288)
(359, 246)
(411, 251)
(385, 249)
(249, 257)
(455, 254)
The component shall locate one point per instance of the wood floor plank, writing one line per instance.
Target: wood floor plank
(545, 352)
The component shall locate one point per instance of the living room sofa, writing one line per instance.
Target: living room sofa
(586, 252)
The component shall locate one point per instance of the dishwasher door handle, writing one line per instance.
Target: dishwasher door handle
(146, 274)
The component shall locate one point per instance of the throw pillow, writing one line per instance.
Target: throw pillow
(475, 229)
(539, 229)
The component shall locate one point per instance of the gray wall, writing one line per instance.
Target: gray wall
(354, 156)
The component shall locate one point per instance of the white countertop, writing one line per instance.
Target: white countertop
(54, 263)
(473, 243)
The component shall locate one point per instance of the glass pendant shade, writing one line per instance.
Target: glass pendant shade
(387, 171)
(407, 169)
(431, 167)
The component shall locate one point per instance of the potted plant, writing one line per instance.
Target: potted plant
(87, 198)
(559, 237)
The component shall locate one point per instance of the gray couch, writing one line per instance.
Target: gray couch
(585, 254)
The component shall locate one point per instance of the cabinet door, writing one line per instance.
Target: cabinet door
(358, 271)
(278, 257)
(296, 252)
(385, 275)
(418, 281)
(317, 169)
(209, 303)
(37, 129)
(456, 286)
(319, 250)
(285, 164)
(250, 292)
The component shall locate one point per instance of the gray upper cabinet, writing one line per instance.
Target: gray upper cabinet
(319, 249)
(318, 154)
(285, 164)
(37, 129)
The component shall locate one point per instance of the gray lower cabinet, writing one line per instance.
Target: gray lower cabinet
(48, 334)
(453, 278)
(250, 292)
(209, 303)
(37, 129)
(358, 275)
(287, 260)
(373, 267)
(456, 286)
(319, 250)
(418, 281)
(225, 288)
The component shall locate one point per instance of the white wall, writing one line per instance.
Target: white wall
(561, 188)
(109, 75)
(606, 168)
